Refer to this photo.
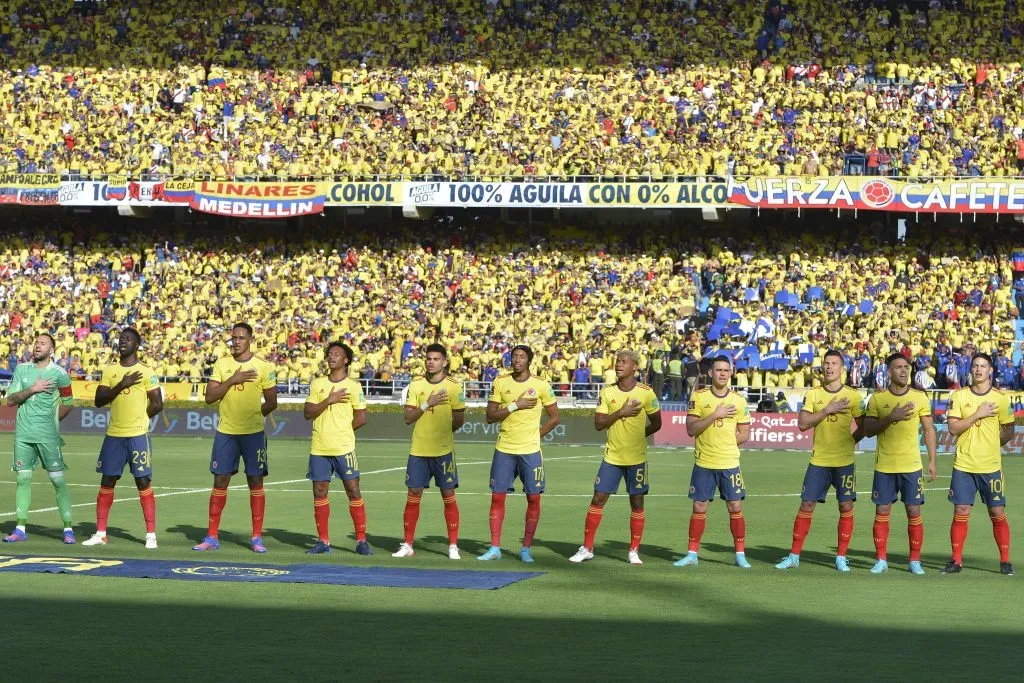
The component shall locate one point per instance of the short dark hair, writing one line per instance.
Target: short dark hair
(436, 348)
(525, 349)
(721, 358)
(243, 326)
(132, 331)
(987, 358)
(53, 342)
(344, 347)
(832, 352)
(893, 357)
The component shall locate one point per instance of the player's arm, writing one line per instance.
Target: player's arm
(742, 433)
(105, 395)
(1005, 433)
(959, 425)
(808, 420)
(154, 401)
(695, 426)
(415, 412)
(16, 398)
(553, 419)
(217, 389)
(653, 423)
(931, 443)
(358, 419)
(858, 429)
(269, 401)
(313, 409)
(458, 419)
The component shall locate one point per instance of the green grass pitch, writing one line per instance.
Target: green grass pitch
(598, 621)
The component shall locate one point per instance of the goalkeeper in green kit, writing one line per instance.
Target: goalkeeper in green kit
(42, 392)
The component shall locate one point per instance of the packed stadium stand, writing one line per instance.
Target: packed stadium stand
(512, 88)
(766, 291)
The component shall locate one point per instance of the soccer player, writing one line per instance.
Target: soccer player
(42, 393)
(719, 421)
(630, 412)
(982, 420)
(894, 415)
(132, 404)
(246, 387)
(830, 410)
(436, 405)
(516, 402)
(337, 407)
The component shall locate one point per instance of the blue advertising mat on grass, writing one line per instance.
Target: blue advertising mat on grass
(330, 574)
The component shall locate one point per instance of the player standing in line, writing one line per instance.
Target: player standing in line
(629, 410)
(515, 402)
(719, 421)
(132, 404)
(831, 411)
(982, 420)
(894, 415)
(42, 393)
(337, 407)
(246, 386)
(436, 405)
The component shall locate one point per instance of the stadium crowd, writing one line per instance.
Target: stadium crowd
(575, 296)
(512, 88)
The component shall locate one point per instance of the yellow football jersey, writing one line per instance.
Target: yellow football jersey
(128, 409)
(899, 446)
(240, 409)
(978, 450)
(432, 434)
(716, 447)
(520, 431)
(833, 437)
(627, 440)
(332, 430)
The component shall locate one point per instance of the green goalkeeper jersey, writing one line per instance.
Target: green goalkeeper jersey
(37, 419)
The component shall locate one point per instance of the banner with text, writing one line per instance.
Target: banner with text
(258, 200)
(37, 189)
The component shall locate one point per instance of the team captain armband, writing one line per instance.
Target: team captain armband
(65, 392)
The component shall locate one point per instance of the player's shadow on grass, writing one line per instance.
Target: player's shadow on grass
(44, 531)
(774, 554)
(621, 548)
(438, 545)
(196, 534)
(558, 547)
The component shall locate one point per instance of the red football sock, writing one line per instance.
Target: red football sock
(1001, 531)
(801, 527)
(451, 518)
(411, 516)
(322, 516)
(148, 503)
(497, 517)
(697, 522)
(738, 525)
(257, 505)
(636, 528)
(218, 499)
(915, 530)
(880, 532)
(357, 509)
(532, 518)
(957, 536)
(104, 499)
(845, 532)
(593, 521)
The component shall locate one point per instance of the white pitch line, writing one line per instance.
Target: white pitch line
(182, 492)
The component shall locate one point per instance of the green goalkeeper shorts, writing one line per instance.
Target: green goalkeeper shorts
(27, 456)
